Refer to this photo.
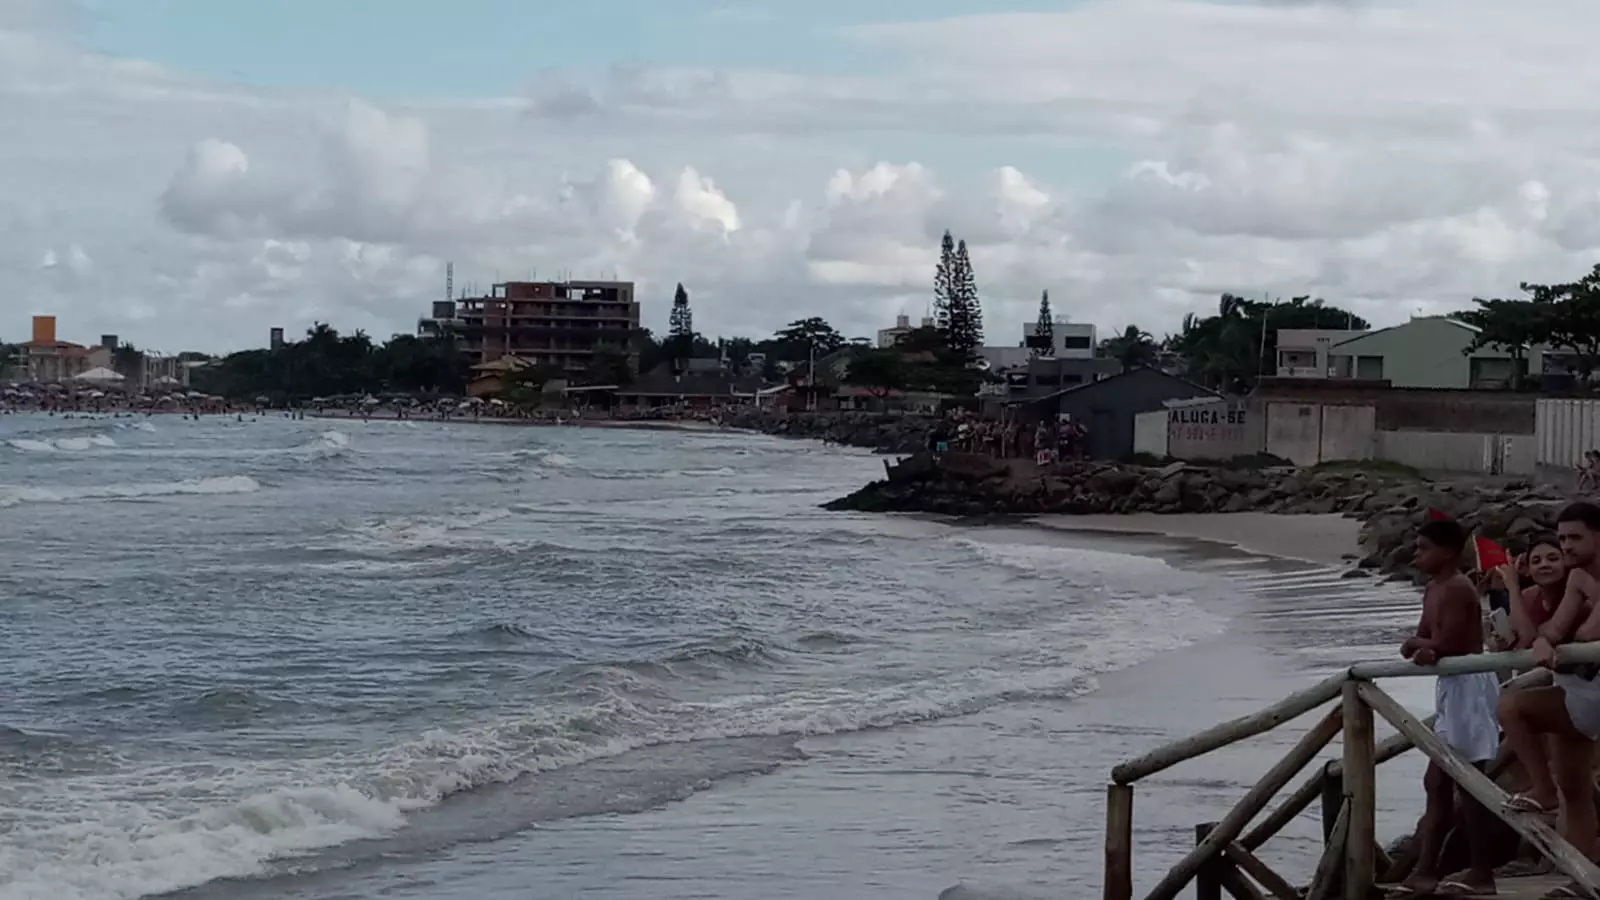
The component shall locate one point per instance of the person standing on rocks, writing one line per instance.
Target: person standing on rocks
(1452, 625)
(1567, 712)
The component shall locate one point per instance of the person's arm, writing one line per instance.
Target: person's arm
(1521, 620)
(1589, 629)
(1570, 613)
(1424, 631)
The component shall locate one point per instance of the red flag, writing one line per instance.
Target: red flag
(1490, 554)
(1435, 515)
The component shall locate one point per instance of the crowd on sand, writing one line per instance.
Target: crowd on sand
(1543, 595)
(1044, 442)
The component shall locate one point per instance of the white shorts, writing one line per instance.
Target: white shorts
(1469, 718)
(1583, 702)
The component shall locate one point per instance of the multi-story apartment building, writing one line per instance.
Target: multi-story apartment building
(559, 324)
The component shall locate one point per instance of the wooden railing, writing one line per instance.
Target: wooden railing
(1224, 856)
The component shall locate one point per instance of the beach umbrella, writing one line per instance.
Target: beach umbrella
(99, 375)
(95, 395)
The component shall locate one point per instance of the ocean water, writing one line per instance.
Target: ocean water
(333, 659)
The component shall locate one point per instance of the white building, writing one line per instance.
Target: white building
(1307, 352)
(1072, 340)
(888, 337)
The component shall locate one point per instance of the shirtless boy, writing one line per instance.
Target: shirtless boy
(1568, 712)
(1452, 625)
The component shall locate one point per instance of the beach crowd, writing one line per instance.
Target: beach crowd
(1545, 596)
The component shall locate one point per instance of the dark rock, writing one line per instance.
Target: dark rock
(1356, 573)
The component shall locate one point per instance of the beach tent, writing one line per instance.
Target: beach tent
(100, 375)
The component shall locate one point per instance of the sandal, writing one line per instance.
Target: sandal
(1457, 888)
(1569, 891)
(1525, 803)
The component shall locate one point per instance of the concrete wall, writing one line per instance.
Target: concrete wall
(1490, 454)
(1310, 433)
(1150, 433)
(1348, 432)
(1565, 429)
(1217, 430)
(1400, 409)
(1294, 432)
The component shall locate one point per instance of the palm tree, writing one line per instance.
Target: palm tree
(1134, 348)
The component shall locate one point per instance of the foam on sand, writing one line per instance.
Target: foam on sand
(1314, 538)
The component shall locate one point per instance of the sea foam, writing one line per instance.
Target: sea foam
(13, 495)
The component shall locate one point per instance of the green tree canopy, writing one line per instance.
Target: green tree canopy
(1133, 348)
(794, 342)
(880, 372)
(1510, 326)
(1232, 348)
(1570, 314)
(326, 363)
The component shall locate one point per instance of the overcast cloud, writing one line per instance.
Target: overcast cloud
(1135, 157)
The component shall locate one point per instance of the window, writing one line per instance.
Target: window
(1076, 342)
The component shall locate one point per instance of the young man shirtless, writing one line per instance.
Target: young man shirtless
(1452, 625)
(1568, 712)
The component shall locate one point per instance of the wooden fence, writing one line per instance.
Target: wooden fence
(1224, 855)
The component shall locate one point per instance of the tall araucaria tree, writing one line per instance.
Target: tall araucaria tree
(681, 328)
(964, 329)
(1043, 342)
(944, 283)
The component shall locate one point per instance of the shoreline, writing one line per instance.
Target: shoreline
(1328, 539)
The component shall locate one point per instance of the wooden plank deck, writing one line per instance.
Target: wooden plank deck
(1531, 887)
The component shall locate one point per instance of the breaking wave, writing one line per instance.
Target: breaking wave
(62, 445)
(13, 495)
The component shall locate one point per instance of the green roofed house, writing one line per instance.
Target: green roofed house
(1428, 352)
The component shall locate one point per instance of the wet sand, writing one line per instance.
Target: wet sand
(1327, 539)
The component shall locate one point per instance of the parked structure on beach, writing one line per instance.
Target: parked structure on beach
(562, 324)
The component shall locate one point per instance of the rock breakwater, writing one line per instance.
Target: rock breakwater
(885, 433)
(1391, 505)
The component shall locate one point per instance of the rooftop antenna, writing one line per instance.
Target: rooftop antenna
(449, 281)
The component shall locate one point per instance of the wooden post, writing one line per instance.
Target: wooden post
(1535, 830)
(1207, 883)
(1220, 736)
(1247, 862)
(1119, 843)
(1246, 809)
(1332, 799)
(1308, 792)
(1326, 879)
(1360, 781)
(1238, 886)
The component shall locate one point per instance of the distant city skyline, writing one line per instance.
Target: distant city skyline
(190, 173)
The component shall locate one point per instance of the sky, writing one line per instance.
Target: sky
(190, 173)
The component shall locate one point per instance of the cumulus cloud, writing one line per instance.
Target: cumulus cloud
(1137, 158)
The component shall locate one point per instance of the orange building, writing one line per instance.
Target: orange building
(45, 359)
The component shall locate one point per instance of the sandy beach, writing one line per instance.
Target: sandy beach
(1326, 539)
